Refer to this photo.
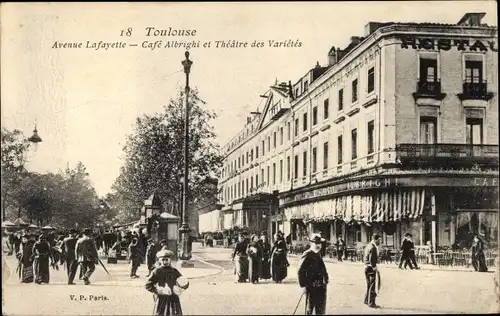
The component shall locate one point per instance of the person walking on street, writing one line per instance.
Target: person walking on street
(371, 261)
(69, 255)
(341, 248)
(43, 260)
(25, 257)
(412, 255)
(279, 260)
(265, 272)
(406, 246)
(151, 255)
(86, 254)
(241, 264)
(134, 256)
(313, 277)
(478, 258)
(254, 252)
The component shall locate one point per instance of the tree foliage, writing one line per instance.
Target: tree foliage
(154, 157)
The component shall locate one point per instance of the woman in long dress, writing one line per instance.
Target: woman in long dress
(241, 263)
(478, 258)
(254, 252)
(25, 257)
(266, 258)
(279, 261)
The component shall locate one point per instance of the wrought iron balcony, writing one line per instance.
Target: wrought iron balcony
(475, 91)
(462, 155)
(429, 89)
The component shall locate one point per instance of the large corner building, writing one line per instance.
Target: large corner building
(397, 133)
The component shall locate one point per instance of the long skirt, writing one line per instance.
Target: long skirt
(167, 305)
(279, 265)
(253, 269)
(241, 268)
(265, 272)
(41, 269)
(479, 262)
(27, 273)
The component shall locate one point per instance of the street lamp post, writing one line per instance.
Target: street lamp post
(184, 229)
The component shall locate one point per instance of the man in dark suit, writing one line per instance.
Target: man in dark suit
(411, 255)
(371, 260)
(135, 256)
(68, 253)
(86, 254)
(313, 277)
(406, 246)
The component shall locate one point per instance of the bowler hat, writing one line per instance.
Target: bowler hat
(375, 236)
(408, 235)
(164, 254)
(316, 238)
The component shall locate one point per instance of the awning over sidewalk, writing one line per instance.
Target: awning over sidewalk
(377, 207)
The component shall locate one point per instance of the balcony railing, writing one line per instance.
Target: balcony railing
(446, 153)
(429, 89)
(475, 91)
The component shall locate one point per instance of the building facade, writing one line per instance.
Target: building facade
(397, 133)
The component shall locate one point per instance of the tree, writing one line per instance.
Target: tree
(14, 149)
(154, 156)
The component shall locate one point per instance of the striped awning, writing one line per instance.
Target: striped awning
(377, 207)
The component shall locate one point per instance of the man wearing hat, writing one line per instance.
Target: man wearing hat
(406, 246)
(371, 260)
(134, 255)
(167, 284)
(151, 255)
(86, 254)
(313, 277)
(68, 253)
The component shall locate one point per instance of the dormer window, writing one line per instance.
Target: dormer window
(306, 86)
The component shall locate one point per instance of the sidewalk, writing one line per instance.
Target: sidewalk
(226, 252)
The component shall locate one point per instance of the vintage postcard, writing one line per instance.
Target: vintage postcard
(249, 158)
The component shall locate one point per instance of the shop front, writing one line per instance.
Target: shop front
(424, 204)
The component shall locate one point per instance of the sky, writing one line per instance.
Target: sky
(85, 101)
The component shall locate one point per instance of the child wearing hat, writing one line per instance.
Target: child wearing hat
(167, 283)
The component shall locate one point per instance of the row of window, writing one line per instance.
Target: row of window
(239, 189)
(473, 130)
(249, 155)
(429, 70)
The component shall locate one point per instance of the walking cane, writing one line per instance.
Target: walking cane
(298, 303)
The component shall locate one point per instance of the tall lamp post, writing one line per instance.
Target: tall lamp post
(184, 229)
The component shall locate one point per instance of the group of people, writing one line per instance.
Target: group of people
(408, 257)
(37, 253)
(255, 259)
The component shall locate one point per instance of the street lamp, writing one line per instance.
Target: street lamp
(184, 229)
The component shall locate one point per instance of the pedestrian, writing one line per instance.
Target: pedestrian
(412, 255)
(25, 257)
(371, 261)
(167, 284)
(134, 256)
(405, 248)
(42, 260)
(478, 258)
(323, 245)
(86, 254)
(151, 255)
(279, 261)
(265, 272)
(254, 252)
(313, 277)
(241, 264)
(68, 250)
(341, 248)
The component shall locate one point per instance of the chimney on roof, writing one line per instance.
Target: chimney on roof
(332, 56)
(290, 90)
(317, 65)
(249, 120)
(355, 40)
(471, 19)
(371, 27)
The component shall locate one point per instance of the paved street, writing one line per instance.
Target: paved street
(214, 291)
